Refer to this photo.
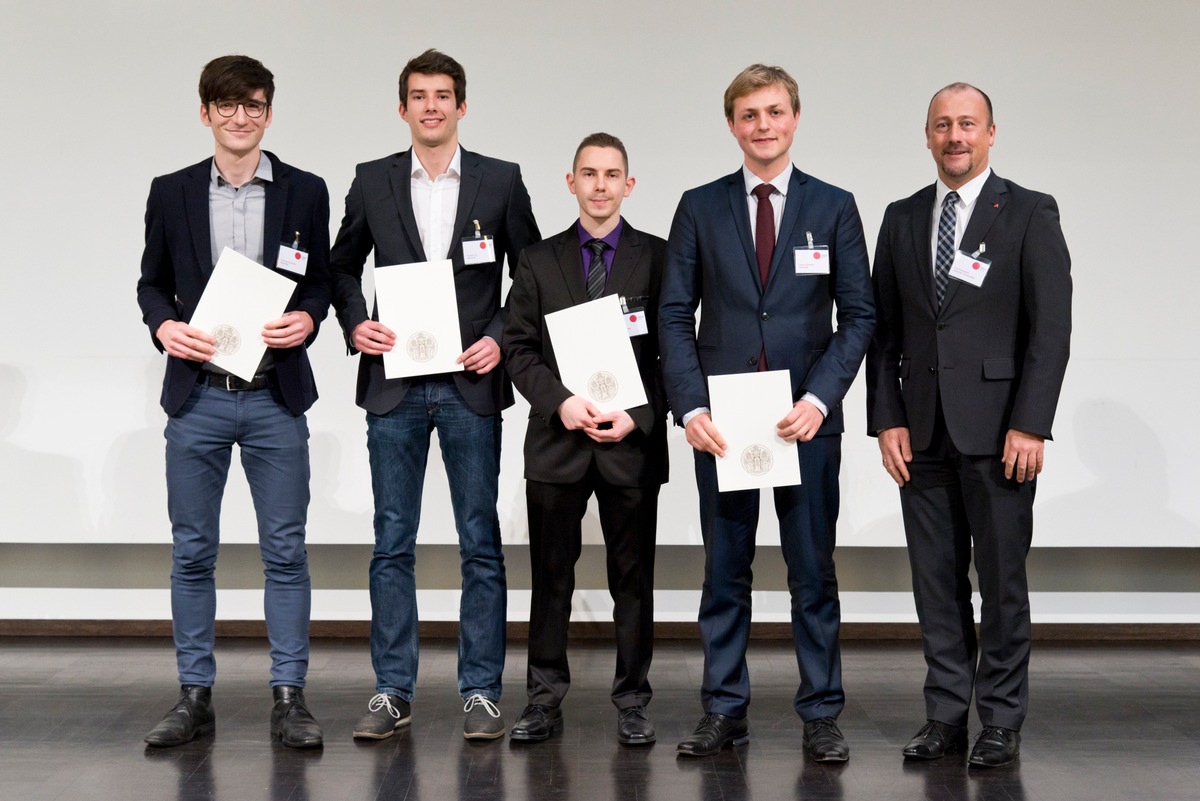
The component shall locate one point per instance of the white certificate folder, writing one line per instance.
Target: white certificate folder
(419, 304)
(745, 409)
(241, 296)
(595, 357)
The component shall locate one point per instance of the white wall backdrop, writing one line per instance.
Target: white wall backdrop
(1096, 103)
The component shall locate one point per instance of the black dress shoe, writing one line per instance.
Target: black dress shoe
(935, 740)
(291, 721)
(536, 723)
(634, 727)
(823, 741)
(714, 733)
(192, 716)
(995, 747)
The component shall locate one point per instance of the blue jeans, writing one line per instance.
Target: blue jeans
(274, 451)
(398, 443)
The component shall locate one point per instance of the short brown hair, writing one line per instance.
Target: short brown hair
(235, 78)
(601, 139)
(755, 77)
(959, 86)
(434, 62)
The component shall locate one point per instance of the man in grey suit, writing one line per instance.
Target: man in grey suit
(434, 201)
(973, 291)
(573, 450)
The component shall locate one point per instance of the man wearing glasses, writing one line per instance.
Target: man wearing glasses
(247, 200)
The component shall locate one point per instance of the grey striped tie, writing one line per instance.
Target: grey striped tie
(596, 277)
(945, 245)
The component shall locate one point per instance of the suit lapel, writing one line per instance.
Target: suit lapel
(988, 206)
(739, 210)
(922, 230)
(401, 177)
(629, 252)
(195, 200)
(468, 188)
(277, 199)
(570, 264)
(791, 213)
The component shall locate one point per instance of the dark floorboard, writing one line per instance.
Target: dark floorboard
(1108, 723)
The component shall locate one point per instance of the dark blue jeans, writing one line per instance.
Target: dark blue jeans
(398, 443)
(274, 451)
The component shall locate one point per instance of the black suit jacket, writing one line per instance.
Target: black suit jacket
(711, 263)
(177, 262)
(995, 354)
(549, 278)
(379, 216)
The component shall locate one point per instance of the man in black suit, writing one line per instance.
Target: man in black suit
(251, 202)
(973, 287)
(767, 253)
(573, 450)
(431, 203)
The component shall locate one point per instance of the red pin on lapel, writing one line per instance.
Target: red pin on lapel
(995, 205)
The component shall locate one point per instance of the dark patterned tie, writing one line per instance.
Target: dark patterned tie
(945, 245)
(596, 277)
(764, 231)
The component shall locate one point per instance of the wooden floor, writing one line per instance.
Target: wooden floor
(1109, 722)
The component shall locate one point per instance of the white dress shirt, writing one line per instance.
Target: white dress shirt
(435, 204)
(968, 193)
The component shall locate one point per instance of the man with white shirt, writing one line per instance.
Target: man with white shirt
(767, 253)
(973, 288)
(425, 204)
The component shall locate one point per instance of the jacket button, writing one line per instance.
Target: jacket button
(753, 360)
(765, 316)
(940, 326)
(933, 371)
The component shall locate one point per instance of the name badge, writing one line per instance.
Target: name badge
(292, 260)
(481, 250)
(811, 260)
(970, 269)
(637, 322)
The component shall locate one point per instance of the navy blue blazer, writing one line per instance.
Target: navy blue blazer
(379, 217)
(177, 262)
(711, 264)
(993, 355)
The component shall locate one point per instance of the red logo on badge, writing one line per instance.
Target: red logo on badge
(975, 266)
(816, 255)
(633, 318)
(299, 255)
(483, 245)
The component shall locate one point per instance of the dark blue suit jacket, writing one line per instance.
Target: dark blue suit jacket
(177, 262)
(711, 263)
(379, 216)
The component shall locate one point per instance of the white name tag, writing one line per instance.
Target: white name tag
(637, 322)
(479, 251)
(969, 269)
(292, 260)
(811, 260)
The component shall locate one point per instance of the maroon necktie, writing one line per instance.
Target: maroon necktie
(764, 231)
(764, 245)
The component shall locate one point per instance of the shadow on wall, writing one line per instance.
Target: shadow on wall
(42, 494)
(135, 497)
(1127, 505)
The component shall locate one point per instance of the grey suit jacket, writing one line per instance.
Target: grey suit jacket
(994, 355)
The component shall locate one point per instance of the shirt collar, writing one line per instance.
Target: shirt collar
(968, 193)
(454, 168)
(609, 239)
(262, 174)
(780, 182)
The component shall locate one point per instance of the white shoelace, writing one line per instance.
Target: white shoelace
(486, 703)
(381, 701)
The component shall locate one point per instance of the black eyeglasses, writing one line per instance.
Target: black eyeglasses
(253, 108)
